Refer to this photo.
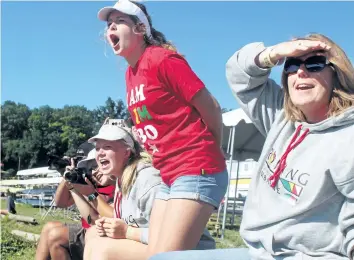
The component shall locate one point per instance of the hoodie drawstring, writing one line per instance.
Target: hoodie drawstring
(118, 201)
(282, 163)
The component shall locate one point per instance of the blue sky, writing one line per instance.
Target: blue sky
(53, 53)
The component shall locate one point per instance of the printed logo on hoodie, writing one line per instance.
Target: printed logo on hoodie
(292, 181)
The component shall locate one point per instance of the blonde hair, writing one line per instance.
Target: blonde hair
(130, 172)
(343, 89)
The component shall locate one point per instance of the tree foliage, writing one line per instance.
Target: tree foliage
(28, 136)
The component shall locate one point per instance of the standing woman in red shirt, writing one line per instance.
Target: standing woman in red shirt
(178, 121)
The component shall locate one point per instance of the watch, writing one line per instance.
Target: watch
(92, 196)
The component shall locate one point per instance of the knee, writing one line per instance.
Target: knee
(50, 226)
(56, 237)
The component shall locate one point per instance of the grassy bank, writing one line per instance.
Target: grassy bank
(14, 248)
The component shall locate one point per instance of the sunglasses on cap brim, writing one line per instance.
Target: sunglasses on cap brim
(312, 64)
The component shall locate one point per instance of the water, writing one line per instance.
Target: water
(31, 196)
(36, 191)
(35, 202)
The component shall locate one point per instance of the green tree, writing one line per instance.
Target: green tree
(29, 136)
(14, 118)
(75, 125)
(14, 151)
(111, 109)
(38, 135)
(14, 122)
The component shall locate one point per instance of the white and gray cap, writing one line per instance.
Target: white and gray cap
(129, 8)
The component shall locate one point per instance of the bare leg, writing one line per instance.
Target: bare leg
(215, 254)
(58, 240)
(105, 248)
(42, 252)
(181, 226)
(90, 240)
(90, 234)
(157, 213)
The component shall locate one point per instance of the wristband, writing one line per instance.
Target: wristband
(92, 196)
(267, 61)
(129, 233)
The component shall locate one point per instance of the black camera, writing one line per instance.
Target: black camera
(59, 164)
(78, 175)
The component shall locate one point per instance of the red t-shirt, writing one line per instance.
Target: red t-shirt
(159, 92)
(109, 191)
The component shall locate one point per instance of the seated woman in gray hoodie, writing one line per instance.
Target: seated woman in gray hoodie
(122, 232)
(300, 204)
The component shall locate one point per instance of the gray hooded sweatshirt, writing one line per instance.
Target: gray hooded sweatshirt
(309, 213)
(135, 208)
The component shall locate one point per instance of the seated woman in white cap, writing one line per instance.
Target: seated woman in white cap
(124, 227)
(124, 233)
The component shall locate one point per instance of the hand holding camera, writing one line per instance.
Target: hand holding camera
(77, 168)
(79, 176)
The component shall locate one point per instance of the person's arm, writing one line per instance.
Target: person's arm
(86, 210)
(210, 111)
(148, 183)
(102, 207)
(346, 224)
(178, 77)
(136, 234)
(89, 211)
(63, 198)
(343, 176)
(260, 97)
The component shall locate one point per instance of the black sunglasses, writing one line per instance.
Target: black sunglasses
(312, 64)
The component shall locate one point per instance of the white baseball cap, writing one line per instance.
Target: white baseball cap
(111, 132)
(90, 158)
(126, 7)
